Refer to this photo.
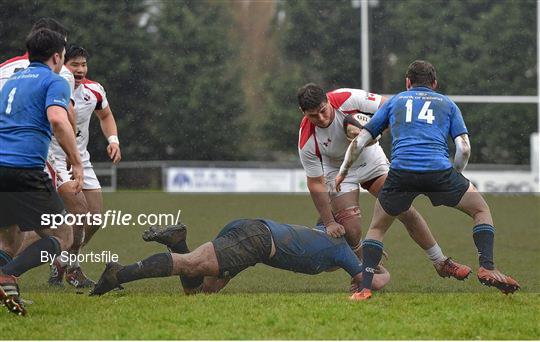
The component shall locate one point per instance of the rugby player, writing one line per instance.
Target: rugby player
(33, 101)
(322, 145)
(18, 63)
(89, 97)
(421, 120)
(239, 245)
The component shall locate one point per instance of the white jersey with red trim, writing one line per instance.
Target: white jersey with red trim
(18, 63)
(88, 96)
(322, 150)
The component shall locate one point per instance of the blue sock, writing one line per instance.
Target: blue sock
(4, 258)
(31, 256)
(484, 236)
(372, 253)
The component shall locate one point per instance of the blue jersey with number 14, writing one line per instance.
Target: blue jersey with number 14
(420, 120)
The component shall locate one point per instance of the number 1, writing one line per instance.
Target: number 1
(10, 100)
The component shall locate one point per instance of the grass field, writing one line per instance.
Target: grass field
(264, 303)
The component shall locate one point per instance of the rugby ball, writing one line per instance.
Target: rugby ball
(353, 123)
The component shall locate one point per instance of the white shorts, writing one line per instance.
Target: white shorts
(373, 164)
(57, 170)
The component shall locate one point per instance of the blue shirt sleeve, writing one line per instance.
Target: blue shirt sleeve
(347, 260)
(457, 124)
(379, 121)
(58, 93)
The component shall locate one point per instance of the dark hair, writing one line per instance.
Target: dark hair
(74, 51)
(51, 24)
(421, 73)
(43, 44)
(311, 96)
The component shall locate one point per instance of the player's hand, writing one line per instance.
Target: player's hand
(77, 175)
(335, 230)
(339, 179)
(113, 150)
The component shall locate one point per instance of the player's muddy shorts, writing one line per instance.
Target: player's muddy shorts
(57, 169)
(241, 244)
(401, 188)
(26, 194)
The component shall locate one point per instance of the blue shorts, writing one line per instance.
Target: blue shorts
(401, 187)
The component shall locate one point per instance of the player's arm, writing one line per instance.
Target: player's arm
(63, 133)
(110, 131)
(319, 194)
(460, 135)
(463, 152)
(318, 190)
(72, 117)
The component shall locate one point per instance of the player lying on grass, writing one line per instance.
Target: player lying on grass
(323, 139)
(421, 121)
(239, 245)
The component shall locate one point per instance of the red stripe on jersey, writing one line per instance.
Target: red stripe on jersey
(337, 99)
(96, 94)
(14, 59)
(307, 129)
(371, 97)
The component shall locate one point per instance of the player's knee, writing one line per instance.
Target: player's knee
(345, 215)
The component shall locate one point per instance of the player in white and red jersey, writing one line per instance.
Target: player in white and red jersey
(89, 97)
(322, 146)
(15, 64)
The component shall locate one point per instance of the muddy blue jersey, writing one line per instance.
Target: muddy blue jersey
(305, 250)
(421, 120)
(25, 132)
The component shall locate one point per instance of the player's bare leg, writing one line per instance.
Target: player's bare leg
(419, 231)
(199, 263)
(75, 204)
(473, 204)
(346, 211)
(94, 199)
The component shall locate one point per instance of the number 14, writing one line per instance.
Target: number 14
(425, 113)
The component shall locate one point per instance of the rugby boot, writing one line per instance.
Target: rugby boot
(9, 295)
(76, 277)
(495, 278)
(108, 281)
(365, 294)
(56, 276)
(168, 236)
(450, 268)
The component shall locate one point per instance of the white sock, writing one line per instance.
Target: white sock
(435, 254)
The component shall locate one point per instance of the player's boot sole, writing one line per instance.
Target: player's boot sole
(107, 281)
(363, 295)
(168, 236)
(11, 303)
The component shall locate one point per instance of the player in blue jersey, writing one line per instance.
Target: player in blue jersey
(239, 245)
(421, 121)
(31, 102)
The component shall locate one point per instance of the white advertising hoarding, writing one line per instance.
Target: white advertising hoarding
(252, 180)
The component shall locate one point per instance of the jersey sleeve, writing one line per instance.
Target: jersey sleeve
(457, 124)
(347, 260)
(100, 94)
(58, 94)
(380, 120)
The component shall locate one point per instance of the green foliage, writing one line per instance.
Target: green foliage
(168, 68)
(478, 47)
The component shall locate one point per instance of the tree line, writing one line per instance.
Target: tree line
(175, 74)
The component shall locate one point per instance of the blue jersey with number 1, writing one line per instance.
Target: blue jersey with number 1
(420, 121)
(25, 132)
